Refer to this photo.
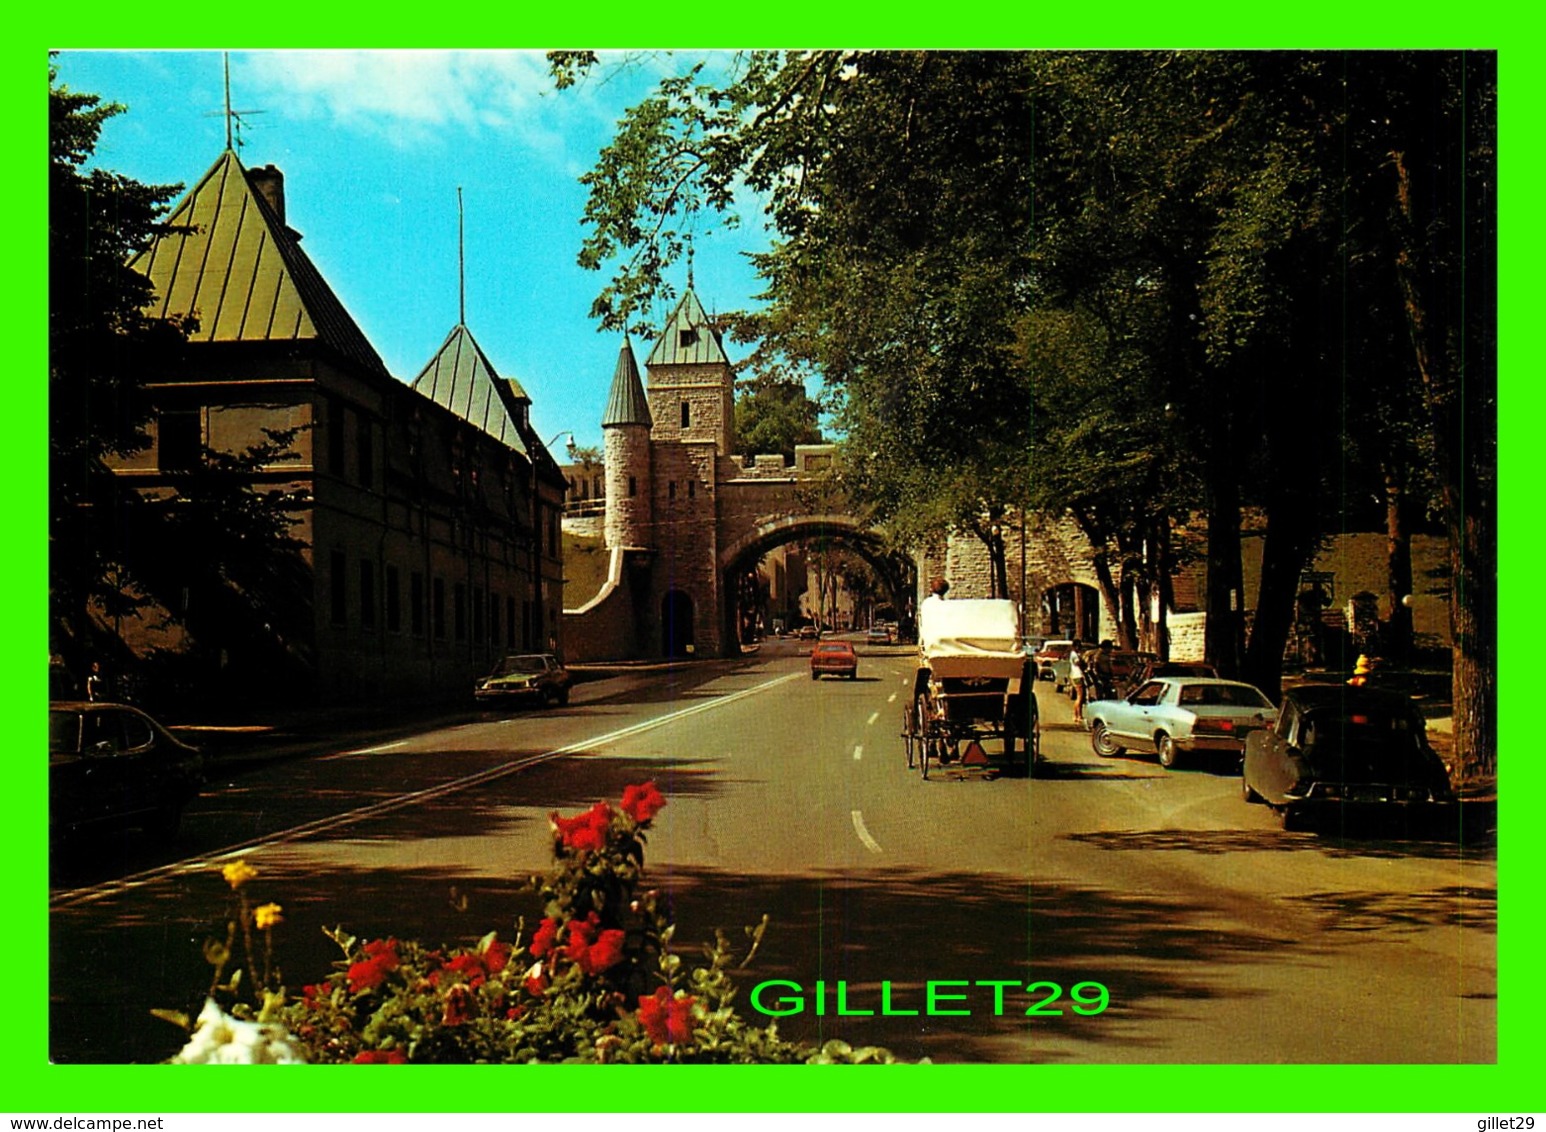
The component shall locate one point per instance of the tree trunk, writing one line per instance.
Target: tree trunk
(1222, 635)
(1397, 646)
(1286, 551)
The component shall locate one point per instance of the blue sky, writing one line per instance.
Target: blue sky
(373, 146)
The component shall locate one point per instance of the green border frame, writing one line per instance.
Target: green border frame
(35, 1086)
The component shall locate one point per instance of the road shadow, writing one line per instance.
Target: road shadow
(114, 961)
(1216, 841)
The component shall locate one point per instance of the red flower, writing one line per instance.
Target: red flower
(496, 957)
(381, 1057)
(546, 937)
(371, 972)
(606, 952)
(642, 803)
(458, 1009)
(536, 980)
(666, 1019)
(581, 933)
(586, 833)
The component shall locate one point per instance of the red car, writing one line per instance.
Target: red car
(836, 658)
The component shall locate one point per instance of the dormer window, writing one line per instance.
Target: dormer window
(687, 337)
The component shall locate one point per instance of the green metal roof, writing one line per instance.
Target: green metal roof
(242, 272)
(689, 338)
(626, 403)
(461, 378)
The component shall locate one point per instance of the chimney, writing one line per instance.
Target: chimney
(269, 183)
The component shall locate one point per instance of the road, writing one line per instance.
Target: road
(1221, 938)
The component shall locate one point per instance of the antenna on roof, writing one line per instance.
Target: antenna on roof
(461, 263)
(233, 118)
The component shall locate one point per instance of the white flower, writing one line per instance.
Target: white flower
(219, 1039)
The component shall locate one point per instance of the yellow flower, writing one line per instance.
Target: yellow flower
(238, 873)
(267, 916)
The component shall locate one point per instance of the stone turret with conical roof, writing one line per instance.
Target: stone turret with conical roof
(625, 427)
(692, 384)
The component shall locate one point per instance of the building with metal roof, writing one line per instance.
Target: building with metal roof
(431, 544)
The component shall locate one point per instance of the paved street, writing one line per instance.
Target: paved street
(1220, 937)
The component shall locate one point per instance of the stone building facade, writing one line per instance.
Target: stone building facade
(431, 544)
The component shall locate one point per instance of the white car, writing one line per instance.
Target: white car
(1178, 714)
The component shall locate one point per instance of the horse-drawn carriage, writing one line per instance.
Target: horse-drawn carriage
(973, 707)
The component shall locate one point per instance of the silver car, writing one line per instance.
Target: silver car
(1171, 715)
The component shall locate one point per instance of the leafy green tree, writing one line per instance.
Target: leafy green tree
(102, 347)
(773, 416)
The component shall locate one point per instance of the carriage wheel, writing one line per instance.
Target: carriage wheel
(909, 732)
(929, 749)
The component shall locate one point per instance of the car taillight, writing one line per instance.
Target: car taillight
(1222, 726)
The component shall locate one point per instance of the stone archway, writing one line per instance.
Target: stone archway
(676, 624)
(896, 572)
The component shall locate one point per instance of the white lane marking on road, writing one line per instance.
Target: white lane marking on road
(363, 751)
(73, 897)
(864, 835)
(858, 753)
(891, 699)
(874, 715)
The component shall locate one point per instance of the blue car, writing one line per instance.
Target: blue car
(1172, 716)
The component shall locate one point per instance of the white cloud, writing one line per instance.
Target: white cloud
(407, 97)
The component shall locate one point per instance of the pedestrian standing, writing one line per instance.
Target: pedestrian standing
(96, 683)
(1076, 680)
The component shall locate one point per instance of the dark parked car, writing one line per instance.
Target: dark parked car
(1336, 746)
(834, 658)
(112, 766)
(526, 678)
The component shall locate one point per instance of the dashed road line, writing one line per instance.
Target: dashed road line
(874, 715)
(858, 753)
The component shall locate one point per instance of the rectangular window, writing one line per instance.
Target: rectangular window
(394, 605)
(366, 450)
(335, 436)
(686, 414)
(438, 607)
(459, 610)
(339, 586)
(416, 602)
(477, 615)
(633, 487)
(180, 439)
(367, 594)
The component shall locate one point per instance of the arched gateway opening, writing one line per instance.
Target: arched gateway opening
(746, 613)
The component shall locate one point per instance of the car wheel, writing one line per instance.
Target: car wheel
(1102, 743)
(1248, 794)
(1292, 818)
(1165, 747)
(815, 675)
(563, 697)
(550, 697)
(854, 675)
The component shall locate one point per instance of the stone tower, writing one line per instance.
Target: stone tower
(692, 386)
(625, 427)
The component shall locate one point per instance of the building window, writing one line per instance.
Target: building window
(335, 437)
(477, 615)
(493, 620)
(338, 584)
(438, 607)
(416, 602)
(553, 533)
(459, 610)
(366, 451)
(692, 489)
(633, 487)
(394, 606)
(671, 490)
(181, 439)
(686, 414)
(367, 594)
(686, 338)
